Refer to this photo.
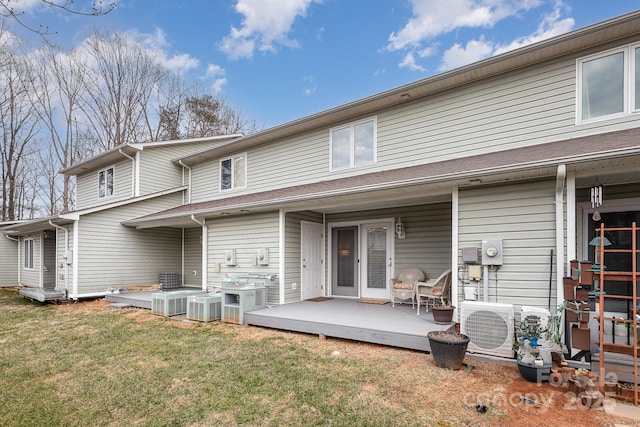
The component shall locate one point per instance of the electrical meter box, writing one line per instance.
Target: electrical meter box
(492, 252)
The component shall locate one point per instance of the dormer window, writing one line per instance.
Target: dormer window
(105, 183)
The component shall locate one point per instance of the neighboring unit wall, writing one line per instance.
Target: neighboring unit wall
(8, 261)
(523, 217)
(87, 186)
(246, 234)
(193, 257)
(112, 255)
(158, 172)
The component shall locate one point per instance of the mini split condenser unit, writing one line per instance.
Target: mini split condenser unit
(489, 327)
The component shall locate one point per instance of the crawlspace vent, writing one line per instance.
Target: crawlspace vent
(489, 328)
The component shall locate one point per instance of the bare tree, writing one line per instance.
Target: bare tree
(57, 92)
(12, 9)
(119, 83)
(18, 128)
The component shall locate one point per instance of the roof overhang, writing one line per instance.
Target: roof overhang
(119, 153)
(35, 226)
(612, 157)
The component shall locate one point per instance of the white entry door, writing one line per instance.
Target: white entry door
(376, 240)
(312, 260)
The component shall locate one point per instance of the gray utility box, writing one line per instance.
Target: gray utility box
(171, 303)
(204, 308)
(238, 299)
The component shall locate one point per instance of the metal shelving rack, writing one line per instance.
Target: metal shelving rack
(630, 348)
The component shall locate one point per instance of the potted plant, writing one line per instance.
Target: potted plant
(534, 345)
(442, 314)
(448, 348)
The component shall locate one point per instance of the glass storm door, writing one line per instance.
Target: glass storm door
(344, 262)
(375, 260)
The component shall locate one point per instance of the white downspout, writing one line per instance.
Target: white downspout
(189, 181)
(133, 171)
(560, 181)
(66, 254)
(454, 246)
(281, 254)
(205, 247)
(15, 239)
(571, 220)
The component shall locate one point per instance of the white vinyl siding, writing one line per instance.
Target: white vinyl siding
(112, 255)
(8, 261)
(246, 234)
(87, 186)
(523, 217)
(193, 257)
(527, 107)
(158, 172)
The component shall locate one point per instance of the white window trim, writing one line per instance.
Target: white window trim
(352, 126)
(31, 256)
(233, 184)
(628, 101)
(106, 196)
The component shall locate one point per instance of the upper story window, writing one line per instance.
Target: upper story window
(28, 254)
(354, 144)
(233, 172)
(105, 183)
(609, 84)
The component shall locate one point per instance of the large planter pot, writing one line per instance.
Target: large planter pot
(442, 314)
(448, 348)
(534, 373)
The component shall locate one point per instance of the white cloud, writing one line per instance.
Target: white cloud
(311, 86)
(457, 56)
(433, 18)
(266, 23)
(217, 75)
(156, 45)
(551, 26)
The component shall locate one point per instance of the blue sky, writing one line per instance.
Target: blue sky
(280, 60)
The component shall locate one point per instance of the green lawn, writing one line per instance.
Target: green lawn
(68, 365)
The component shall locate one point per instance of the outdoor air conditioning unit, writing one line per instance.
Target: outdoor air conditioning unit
(489, 327)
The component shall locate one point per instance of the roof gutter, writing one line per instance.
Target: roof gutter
(66, 252)
(560, 181)
(133, 171)
(205, 247)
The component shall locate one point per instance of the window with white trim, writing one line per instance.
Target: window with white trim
(608, 84)
(105, 183)
(28, 254)
(233, 172)
(354, 144)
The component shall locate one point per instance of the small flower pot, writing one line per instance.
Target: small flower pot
(448, 348)
(442, 314)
